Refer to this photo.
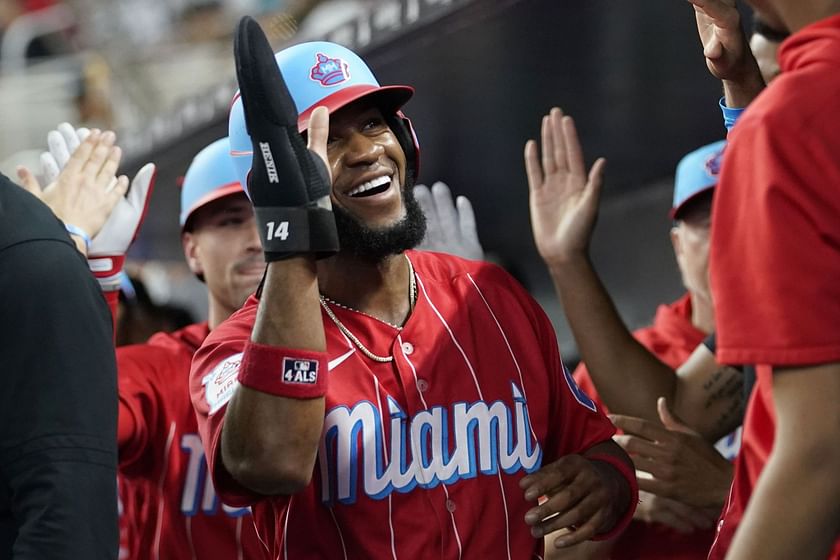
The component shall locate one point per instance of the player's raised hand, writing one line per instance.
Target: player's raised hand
(682, 465)
(579, 496)
(289, 183)
(725, 44)
(107, 250)
(563, 196)
(450, 226)
(86, 191)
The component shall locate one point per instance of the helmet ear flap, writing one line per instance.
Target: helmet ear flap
(401, 127)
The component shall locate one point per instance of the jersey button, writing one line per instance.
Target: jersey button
(450, 506)
(408, 348)
(422, 385)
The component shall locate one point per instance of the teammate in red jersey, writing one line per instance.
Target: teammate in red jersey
(774, 264)
(168, 498)
(169, 505)
(170, 508)
(664, 527)
(383, 402)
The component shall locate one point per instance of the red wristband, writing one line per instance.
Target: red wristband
(285, 372)
(630, 475)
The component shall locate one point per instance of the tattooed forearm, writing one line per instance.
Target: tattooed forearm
(724, 399)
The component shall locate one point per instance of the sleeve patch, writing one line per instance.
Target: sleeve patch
(297, 371)
(578, 393)
(221, 383)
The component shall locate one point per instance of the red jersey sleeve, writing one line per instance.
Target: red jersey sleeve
(775, 238)
(141, 408)
(213, 382)
(580, 421)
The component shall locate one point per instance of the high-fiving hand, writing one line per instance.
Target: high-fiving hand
(85, 192)
(563, 196)
(117, 224)
(724, 43)
(289, 183)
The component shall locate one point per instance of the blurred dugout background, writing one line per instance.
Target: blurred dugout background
(161, 73)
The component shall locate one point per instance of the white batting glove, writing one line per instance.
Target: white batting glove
(62, 142)
(106, 255)
(449, 228)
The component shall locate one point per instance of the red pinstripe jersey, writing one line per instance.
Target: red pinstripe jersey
(420, 457)
(169, 503)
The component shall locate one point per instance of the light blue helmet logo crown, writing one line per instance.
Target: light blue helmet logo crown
(329, 71)
(211, 176)
(697, 173)
(325, 74)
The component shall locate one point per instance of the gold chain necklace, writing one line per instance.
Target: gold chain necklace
(412, 290)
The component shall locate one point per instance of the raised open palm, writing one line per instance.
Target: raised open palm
(563, 197)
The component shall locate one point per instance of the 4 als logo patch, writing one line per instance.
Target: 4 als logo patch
(300, 372)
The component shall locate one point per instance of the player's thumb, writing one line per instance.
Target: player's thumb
(668, 419)
(141, 187)
(318, 133)
(595, 180)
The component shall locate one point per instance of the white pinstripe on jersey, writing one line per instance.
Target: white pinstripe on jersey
(161, 482)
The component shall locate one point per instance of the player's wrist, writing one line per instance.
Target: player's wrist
(284, 372)
(621, 481)
(286, 232)
(80, 237)
(563, 262)
(743, 86)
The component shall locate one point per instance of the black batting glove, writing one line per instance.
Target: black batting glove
(289, 184)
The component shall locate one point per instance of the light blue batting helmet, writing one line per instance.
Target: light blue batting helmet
(697, 173)
(211, 176)
(326, 74)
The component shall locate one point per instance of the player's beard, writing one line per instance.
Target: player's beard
(376, 244)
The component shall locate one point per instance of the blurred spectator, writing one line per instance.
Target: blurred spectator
(93, 99)
(204, 21)
(35, 29)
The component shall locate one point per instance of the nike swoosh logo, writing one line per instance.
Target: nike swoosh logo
(337, 362)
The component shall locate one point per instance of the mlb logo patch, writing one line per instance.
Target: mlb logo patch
(300, 372)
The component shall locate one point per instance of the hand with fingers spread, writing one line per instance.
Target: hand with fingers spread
(586, 494)
(563, 196)
(450, 227)
(682, 465)
(86, 191)
(727, 51)
(108, 247)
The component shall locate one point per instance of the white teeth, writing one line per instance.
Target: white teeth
(372, 184)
